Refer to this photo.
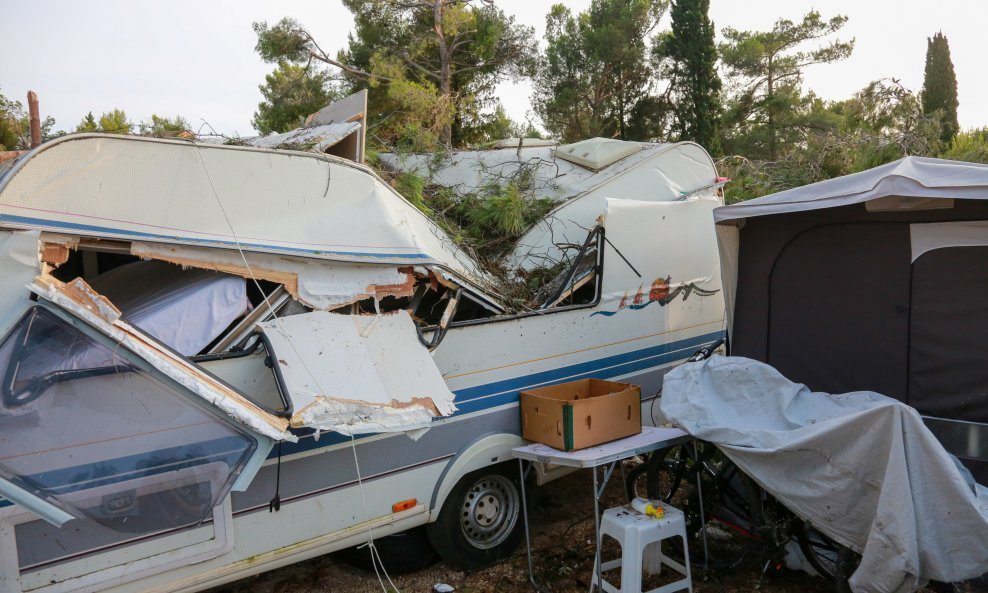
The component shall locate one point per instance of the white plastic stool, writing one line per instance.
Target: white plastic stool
(641, 536)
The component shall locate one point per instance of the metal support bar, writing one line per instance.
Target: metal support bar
(608, 470)
(596, 524)
(524, 509)
(703, 520)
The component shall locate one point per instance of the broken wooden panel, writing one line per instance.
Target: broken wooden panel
(319, 284)
(357, 373)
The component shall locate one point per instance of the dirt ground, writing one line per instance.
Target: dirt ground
(563, 552)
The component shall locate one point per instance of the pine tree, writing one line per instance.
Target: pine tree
(765, 68)
(940, 86)
(692, 71)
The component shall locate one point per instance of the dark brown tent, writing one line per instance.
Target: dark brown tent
(876, 281)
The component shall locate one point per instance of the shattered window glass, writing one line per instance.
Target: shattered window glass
(84, 429)
(576, 283)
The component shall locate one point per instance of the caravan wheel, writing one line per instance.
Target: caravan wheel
(480, 522)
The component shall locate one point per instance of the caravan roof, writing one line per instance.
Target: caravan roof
(179, 192)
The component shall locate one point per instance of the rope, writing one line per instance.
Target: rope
(375, 556)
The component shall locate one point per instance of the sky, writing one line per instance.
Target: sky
(196, 58)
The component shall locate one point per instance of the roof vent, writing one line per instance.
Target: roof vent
(597, 153)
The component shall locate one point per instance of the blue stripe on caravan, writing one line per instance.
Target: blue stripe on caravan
(10, 218)
(576, 371)
(489, 395)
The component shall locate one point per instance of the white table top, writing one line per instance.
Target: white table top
(649, 439)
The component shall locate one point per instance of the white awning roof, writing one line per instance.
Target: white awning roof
(317, 138)
(911, 177)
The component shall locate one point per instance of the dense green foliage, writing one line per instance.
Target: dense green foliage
(971, 146)
(689, 58)
(162, 126)
(940, 87)
(432, 66)
(880, 123)
(594, 78)
(764, 115)
(15, 126)
(11, 123)
(291, 93)
(110, 122)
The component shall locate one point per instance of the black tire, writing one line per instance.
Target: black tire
(659, 477)
(670, 471)
(823, 553)
(481, 522)
(400, 553)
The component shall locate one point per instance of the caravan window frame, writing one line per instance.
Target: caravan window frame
(39, 503)
(599, 231)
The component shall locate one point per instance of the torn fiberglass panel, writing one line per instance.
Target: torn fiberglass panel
(357, 373)
(88, 431)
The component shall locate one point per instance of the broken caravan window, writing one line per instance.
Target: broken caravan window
(579, 282)
(251, 376)
(96, 433)
(577, 285)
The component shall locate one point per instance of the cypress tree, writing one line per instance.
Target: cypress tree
(940, 86)
(692, 71)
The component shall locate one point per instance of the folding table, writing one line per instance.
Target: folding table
(607, 455)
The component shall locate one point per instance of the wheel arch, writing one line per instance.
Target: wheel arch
(486, 450)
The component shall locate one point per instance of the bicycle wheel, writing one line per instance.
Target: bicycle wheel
(659, 477)
(721, 538)
(830, 559)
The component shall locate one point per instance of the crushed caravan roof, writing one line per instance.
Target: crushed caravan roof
(553, 176)
(178, 192)
(317, 138)
(625, 170)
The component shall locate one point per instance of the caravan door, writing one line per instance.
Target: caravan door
(112, 440)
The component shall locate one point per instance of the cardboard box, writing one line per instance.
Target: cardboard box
(581, 414)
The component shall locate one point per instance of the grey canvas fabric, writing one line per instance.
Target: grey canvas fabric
(861, 467)
(914, 177)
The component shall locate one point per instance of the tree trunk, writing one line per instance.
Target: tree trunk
(771, 109)
(445, 70)
(35, 117)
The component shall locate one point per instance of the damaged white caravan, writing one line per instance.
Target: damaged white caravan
(220, 360)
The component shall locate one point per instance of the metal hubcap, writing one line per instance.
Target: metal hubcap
(489, 511)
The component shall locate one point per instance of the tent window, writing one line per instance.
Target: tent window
(86, 431)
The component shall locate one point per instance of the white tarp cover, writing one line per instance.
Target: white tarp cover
(357, 373)
(861, 467)
(185, 309)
